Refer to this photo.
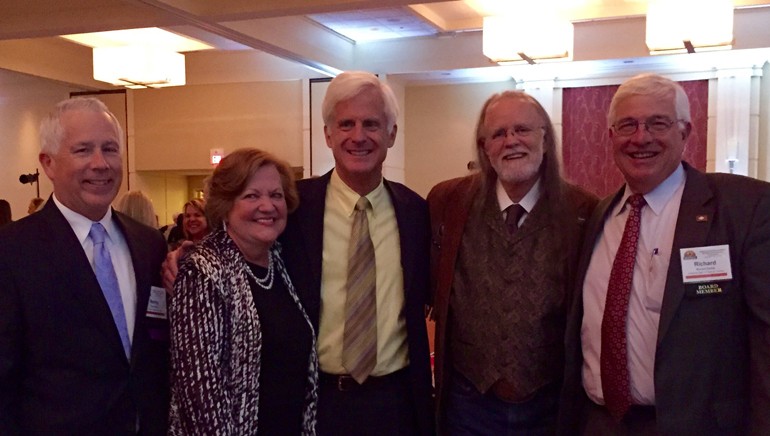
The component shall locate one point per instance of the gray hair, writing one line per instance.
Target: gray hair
(550, 168)
(654, 86)
(351, 83)
(52, 132)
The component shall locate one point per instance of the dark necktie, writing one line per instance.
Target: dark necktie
(359, 348)
(108, 281)
(515, 212)
(614, 355)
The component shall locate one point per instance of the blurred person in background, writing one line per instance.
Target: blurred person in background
(5, 213)
(139, 207)
(195, 223)
(176, 232)
(35, 205)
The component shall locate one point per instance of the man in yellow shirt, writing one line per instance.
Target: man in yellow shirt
(393, 394)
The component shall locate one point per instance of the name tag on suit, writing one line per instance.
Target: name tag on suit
(703, 268)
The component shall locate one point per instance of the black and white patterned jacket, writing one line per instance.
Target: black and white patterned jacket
(216, 343)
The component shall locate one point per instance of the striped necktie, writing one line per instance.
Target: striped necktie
(359, 348)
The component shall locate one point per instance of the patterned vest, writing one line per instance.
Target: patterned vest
(507, 307)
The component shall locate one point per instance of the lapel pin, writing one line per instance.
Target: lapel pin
(701, 218)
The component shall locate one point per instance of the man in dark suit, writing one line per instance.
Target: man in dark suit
(394, 397)
(83, 334)
(672, 333)
(505, 244)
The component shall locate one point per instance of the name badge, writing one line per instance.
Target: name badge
(156, 307)
(706, 264)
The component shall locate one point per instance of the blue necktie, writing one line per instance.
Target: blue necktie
(108, 281)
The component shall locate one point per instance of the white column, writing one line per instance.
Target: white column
(550, 97)
(763, 152)
(734, 115)
(395, 163)
(306, 128)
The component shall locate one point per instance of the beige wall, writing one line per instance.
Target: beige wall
(24, 100)
(441, 120)
(195, 184)
(167, 190)
(168, 129)
(175, 128)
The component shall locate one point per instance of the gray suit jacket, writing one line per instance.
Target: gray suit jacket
(712, 363)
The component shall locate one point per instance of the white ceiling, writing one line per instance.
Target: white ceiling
(282, 39)
(377, 24)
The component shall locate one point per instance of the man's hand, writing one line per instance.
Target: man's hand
(170, 266)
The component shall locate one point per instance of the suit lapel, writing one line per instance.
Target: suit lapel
(311, 223)
(402, 212)
(696, 213)
(452, 215)
(141, 276)
(594, 229)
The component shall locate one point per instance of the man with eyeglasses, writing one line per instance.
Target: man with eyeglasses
(505, 242)
(672, 333)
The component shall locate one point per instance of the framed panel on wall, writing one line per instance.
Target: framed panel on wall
(321, 158)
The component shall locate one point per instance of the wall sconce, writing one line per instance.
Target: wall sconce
(139, 66)
(681, 26)
(527, 37)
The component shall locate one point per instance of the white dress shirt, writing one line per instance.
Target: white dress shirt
(527, 202)
(656, 237)
(119, 253)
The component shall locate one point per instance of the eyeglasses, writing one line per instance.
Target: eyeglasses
(520, 130)
(657, 124)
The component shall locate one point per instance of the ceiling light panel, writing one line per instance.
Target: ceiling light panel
(151, 36)
(376, 24)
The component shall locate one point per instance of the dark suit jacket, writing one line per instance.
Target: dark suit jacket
(450, 204)
(62, 365)
(712, 363)
(302, 249)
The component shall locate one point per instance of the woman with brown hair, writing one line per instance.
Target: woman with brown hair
(243, 352)
(195, 223)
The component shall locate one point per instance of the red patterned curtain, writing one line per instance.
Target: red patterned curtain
(587, 150)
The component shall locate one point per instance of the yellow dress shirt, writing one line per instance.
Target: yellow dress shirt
(392, 347)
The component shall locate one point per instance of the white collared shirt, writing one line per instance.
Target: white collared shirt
(656, 237)
(119, 253)
(527, 202)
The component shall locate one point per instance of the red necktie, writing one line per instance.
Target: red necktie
(614, 356)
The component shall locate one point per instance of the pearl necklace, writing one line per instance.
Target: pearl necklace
(266, 282)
